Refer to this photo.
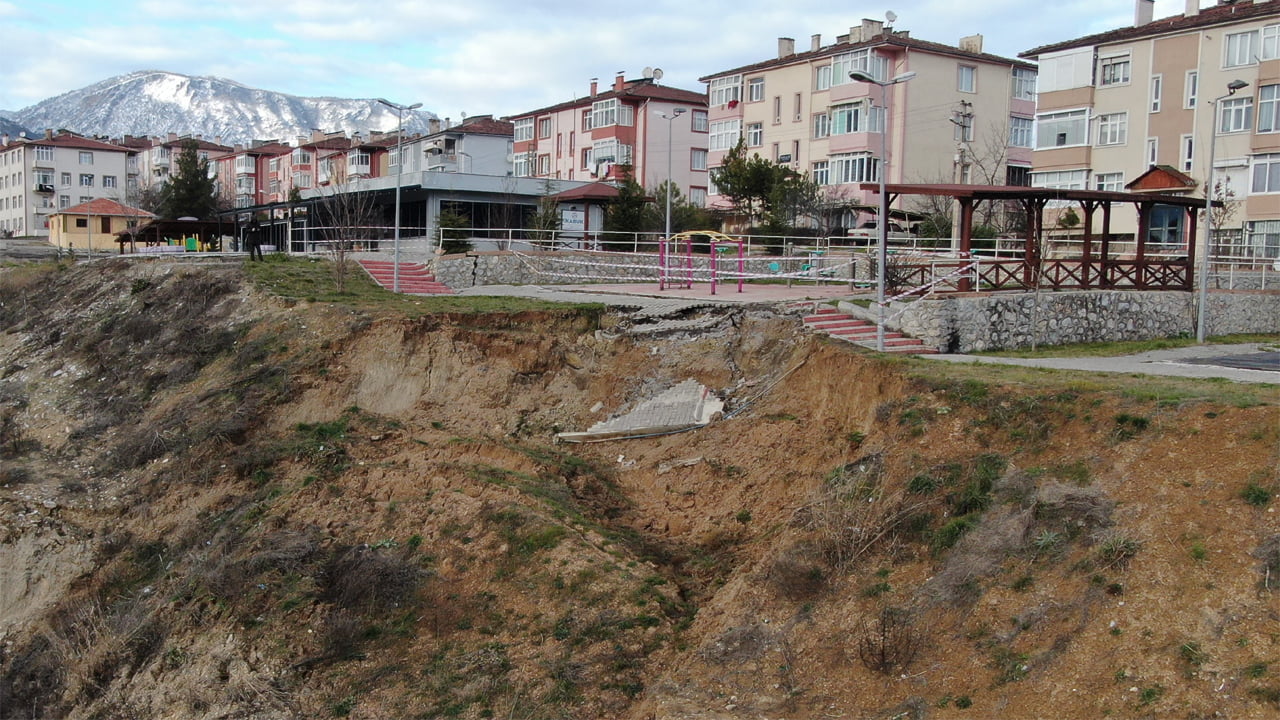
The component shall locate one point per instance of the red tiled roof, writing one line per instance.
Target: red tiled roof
(1217, 15)
(103, 206)
(484, 126)
(896, 39)
(594, 191)
(632, 88)
(71, 140)
(1162, 177)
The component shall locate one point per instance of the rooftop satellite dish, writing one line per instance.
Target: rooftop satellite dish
(657, 73)
(648, 72)
(891, 16)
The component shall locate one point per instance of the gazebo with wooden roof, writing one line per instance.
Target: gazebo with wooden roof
(1096, 267)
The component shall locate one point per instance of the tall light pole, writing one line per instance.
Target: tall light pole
(1203, 305)
(675, 113)
(395, 247)
(882, 220)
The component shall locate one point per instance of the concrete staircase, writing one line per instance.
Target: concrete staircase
(831, 321)
(415, 278)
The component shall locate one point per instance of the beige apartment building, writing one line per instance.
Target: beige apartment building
(1165, 95)
(955, 114)
(42, 175)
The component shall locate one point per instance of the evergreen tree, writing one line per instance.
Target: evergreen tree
(191, 191)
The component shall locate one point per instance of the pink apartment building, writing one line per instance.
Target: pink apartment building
(627, 124)
(956, 114)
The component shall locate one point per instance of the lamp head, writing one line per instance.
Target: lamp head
(861, 76)
(679, 111)
(903, 77)
(1235, 85)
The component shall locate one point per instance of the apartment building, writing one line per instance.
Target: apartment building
(954, 114)
(1165, 95)
(244, 175)
(635, 123)
(479, 145)
(39, 176)
(156, 159)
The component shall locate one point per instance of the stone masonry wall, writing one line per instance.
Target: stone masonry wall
(977, 323)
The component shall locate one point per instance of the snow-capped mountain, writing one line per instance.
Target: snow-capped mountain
(9, 127)
(154, 102)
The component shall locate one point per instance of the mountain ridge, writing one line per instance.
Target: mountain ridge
(159, 102)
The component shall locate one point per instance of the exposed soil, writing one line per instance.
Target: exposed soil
(219, 504)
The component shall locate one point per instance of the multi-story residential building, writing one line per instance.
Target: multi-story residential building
(41, 175)
(479, 145)
(157, 158)
(956, 114)
(244, 174)
(1160, 94)
(629, 124)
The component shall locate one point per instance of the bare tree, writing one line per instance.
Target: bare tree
(347, 214)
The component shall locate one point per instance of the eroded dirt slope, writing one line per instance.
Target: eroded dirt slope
(218, 504)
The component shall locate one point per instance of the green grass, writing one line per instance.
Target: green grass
(312, 279)
(1127, 347)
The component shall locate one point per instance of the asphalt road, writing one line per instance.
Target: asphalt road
(1249, 362)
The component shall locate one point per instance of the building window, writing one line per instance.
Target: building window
(64, 202)
(603, 113)
(544, 164)
(586, 120)
(1018, 175)
(1114, 71)
(302, 180)
(755, 134)
(1021, 132)
(1191, 90)
(1271, 42)
(521, 167)
(301, 157)
(44, 153)
(587, 153)
(698, 196)
(82, 223)
(777, 109)
(66, 179)
(1188, 145)
(544, 128)
(1109, 181)
(725, 90)
(86, 158)
(1240, 48)
(725, 134)
(822, 78)
(777, 152)
(1113, 129)
(966, 78)
(108, 181)
(86, 180)
(1166, 225)
(861, 60)
(797, 105)
(1235, 115)
(821, 125)
(849, 118)
(1061, 179)
(1157, 82)
(1264, 238)
(699, 121)
(821, 173)
(755, 90)
(1153, 148)
(1269, 108)
(853, 168)
(698, 159)
(1062, 129)
(1266, 174)
(523, 129)
(1024, 84)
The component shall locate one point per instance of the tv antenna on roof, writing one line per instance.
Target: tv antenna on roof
(648, 72)
(891, 16)
(657, 74)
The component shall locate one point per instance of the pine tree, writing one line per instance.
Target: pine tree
(191, 191)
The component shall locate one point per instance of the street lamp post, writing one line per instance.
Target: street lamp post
(1203, 304)
(882, 221)
(395, 246)
(662, 252)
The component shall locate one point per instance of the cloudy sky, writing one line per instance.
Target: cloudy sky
(477, 56)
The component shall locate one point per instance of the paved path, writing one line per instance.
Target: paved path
(1195, 361)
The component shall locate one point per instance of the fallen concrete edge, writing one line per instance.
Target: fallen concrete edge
(631, 434)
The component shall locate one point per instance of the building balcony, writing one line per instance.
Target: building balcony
(46, 189)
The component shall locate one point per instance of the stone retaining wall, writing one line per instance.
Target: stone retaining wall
(976, 323)
(567, 268)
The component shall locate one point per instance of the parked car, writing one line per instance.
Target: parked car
(868, 233)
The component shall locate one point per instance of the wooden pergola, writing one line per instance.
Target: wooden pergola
(1094, 268)
(159, 232)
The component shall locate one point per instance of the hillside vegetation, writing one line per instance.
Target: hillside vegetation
(227, 495)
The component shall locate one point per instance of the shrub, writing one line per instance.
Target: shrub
(1117, 549)
(950, 534)
(1256, 495)
(889, 644)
